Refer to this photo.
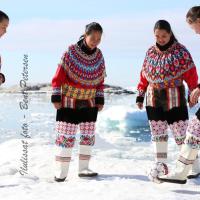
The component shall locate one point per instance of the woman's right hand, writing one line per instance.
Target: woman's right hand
(140, 105)
(194, 96)
(57, 105)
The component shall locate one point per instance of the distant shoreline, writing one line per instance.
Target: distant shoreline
(46, 88)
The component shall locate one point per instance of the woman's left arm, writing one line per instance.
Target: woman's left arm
(190, 76)
(99, 98)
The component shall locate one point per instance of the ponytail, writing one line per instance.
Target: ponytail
(89, 28)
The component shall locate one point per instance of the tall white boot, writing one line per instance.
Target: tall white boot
(160, 149)
(195, 171)
(183, 166)
(84, 158)
(62, 161)
(193, 138)
(159, 137)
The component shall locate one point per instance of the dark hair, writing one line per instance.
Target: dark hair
(193, 14)
(3, 16)
(165, 25)
(89, 28)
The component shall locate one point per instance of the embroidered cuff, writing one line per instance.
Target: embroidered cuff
(140, 93)
(56, 91)
(100, 93)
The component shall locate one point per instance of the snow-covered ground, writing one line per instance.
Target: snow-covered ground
(122, 155)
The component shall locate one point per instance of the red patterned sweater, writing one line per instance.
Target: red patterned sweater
(79, 77)
(167, 69)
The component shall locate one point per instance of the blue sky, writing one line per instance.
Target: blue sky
(44, 29)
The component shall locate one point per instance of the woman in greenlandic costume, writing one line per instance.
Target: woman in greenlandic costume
(187, 158)
(78, 96)
(166, 65)
(4, 22)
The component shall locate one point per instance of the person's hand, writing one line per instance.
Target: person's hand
(57, 105)
(140, 105)
(100, 107)
(191, 104)
(1, 79)
(194, 96)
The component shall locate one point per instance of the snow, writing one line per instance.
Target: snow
(121, 156)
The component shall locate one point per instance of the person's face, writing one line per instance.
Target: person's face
(162, 36)
(3, 27)
(195, 26)
(93, 39)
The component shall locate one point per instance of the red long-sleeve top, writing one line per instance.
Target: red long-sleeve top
(79, 76)
(167, 69)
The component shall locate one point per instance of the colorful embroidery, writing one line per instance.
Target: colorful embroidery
(87, 128)
(87, 140)
(194, 127)
(141, 93)
(56, 91)
(99, 93)
(193, 141)
(179, 131)
(168, 84)
(158, 130)
(87, 133)
(87, 70)
(66, 128)
(65, 141)
(167, 69)
(78, 93)
(163, 67)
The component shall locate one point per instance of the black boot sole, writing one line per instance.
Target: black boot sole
(193, 176)
(172, 181)
(88, 175)
(59, 179)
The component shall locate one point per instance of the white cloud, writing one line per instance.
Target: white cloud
(124, 43)
(131, 33)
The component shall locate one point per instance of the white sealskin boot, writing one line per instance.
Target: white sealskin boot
(195, 172)
(183, 166)
(62, 161)
(84, 158)
(160, 149)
